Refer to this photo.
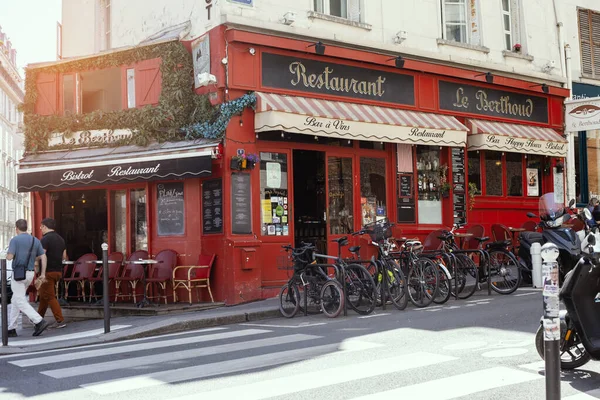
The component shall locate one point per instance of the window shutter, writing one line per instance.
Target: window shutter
(148, 82)
(585, 42)
(47, 99)
(595, 42)
(354, 10)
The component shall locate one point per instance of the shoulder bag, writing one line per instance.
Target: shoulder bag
(20, 270)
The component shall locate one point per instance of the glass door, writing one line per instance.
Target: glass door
(340, 199)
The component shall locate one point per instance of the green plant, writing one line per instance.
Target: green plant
(473, 191)
(444, 187)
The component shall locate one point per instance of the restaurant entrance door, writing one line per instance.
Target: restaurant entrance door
(81, 219)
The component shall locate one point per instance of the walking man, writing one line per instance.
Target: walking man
(56, 252)
(23, 249)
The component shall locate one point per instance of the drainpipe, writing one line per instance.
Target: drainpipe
(571, 193)
(561, 40)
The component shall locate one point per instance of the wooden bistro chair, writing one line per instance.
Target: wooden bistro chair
(82, 272)
(114, 268)
(529, 226)
(194, 276)
(162, 273)
(132, 273)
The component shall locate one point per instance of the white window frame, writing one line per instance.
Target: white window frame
(324, 7)
(507, 32)
(467, 20)
(516, 25)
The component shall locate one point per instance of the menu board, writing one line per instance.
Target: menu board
(458, 184)
(212, 206)
(170, 209)
(406, 199)
(241, 212)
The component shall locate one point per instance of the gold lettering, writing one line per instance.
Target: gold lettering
(298, 69)
(461, 100)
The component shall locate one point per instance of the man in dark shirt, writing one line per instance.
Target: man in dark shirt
(56, 252)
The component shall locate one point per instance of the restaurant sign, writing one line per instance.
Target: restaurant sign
(89, 138)
(119, 171)
(582, 115)
(497, 103)
(305, 75)
(516, 145)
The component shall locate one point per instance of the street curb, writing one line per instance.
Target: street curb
(159, 328)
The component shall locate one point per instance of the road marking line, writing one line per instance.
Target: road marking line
(530, 289)
(285, 326)
(90, 354)
(479, 300)
(219, 368)
(374, 315)
(525, 294)
(323, 378)
(70, 336)
(455, 386)
(174, 356)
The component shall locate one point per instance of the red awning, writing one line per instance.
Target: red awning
(356, 121)
(499, 136)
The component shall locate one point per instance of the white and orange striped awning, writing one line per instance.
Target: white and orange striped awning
(498, 136)
(304, 115)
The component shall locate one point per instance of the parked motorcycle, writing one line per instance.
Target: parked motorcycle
(552, 214)
(580, 322)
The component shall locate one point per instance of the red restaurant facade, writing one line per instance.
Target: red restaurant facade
(345, 138)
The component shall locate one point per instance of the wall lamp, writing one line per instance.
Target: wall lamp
(489, 77)
(545, 88)
(319, 47)
(399, 61)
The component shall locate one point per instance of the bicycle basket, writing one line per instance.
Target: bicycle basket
(379, 230)
(302, 257)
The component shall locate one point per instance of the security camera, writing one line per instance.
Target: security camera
(400, 37)
(289, 18)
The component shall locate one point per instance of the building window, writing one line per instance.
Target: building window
(535, 166)
(589, 42)
(106, 24)
(493, 173)
(428, 184)
(274, 193)
(514, 174)
(138, 221)
(460, 21)
(506, 24)
(372, 189)
(348, 9)
(474, 165)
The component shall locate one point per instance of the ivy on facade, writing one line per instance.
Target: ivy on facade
(180, 112)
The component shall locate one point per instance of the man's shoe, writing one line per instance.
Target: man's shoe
(59, 325)
(40, 327)
(12, 333)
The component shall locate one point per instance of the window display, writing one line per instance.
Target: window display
(428, 184)
(493, 173)
(138, 221)
(274, 194)
(372, 189)
(514, 174)
(341, 206)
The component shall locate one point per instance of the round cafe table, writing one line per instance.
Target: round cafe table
(145, 264)
(462, 237)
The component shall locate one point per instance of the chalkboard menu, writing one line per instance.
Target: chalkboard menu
(170, 210)
(241, 212)
(458, 181)
(212, 206)
(406, 198)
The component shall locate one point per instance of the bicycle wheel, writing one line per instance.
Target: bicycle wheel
(289, 300)
(505, 276)
(444, 287)
(396, 285)
(332, 299)
(360, 289)
(422, 282)
(468, 277)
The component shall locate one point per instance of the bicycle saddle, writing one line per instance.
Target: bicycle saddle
(482, 239)
(354, 249)
(498, 244)
(343, 240)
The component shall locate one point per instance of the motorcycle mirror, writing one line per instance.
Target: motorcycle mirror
(591, 240)
(571, 202)
(531, 215)
(587, 213)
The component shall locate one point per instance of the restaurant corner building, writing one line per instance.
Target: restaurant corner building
(342, 139)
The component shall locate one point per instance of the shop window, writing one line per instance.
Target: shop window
(372, 189)
(118, 210)
(592, 146)
(101, 90)
(341, 195)
(274, 194)
(475, 169)
(428, 184)
(535, 164)
(514, 174)
(138, 222)
(493, 173)
(371, 145)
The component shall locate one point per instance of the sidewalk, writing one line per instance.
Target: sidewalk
(80, 333)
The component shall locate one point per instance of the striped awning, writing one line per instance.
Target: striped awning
(356, 121)
(498, 136)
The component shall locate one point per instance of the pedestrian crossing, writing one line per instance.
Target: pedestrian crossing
(256, 363)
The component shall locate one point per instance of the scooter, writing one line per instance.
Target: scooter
(553, 231)
(580, 322)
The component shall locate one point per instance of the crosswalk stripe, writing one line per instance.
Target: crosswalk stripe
(207, 370)
(61, 338)
(322, 378)
(89, 354)
(458, 385)
(174, 356)
(591, 395)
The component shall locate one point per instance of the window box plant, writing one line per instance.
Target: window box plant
(517, 47)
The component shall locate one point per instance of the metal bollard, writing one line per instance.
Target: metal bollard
(4, 300)
(550, 284)
(536, 265)
(106, 300)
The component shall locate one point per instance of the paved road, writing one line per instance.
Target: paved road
(476, 349)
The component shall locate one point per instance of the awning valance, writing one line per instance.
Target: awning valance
(111, 165)
(356, 121)
(498, 136)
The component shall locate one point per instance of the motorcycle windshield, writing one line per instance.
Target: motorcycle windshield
(550, 208)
